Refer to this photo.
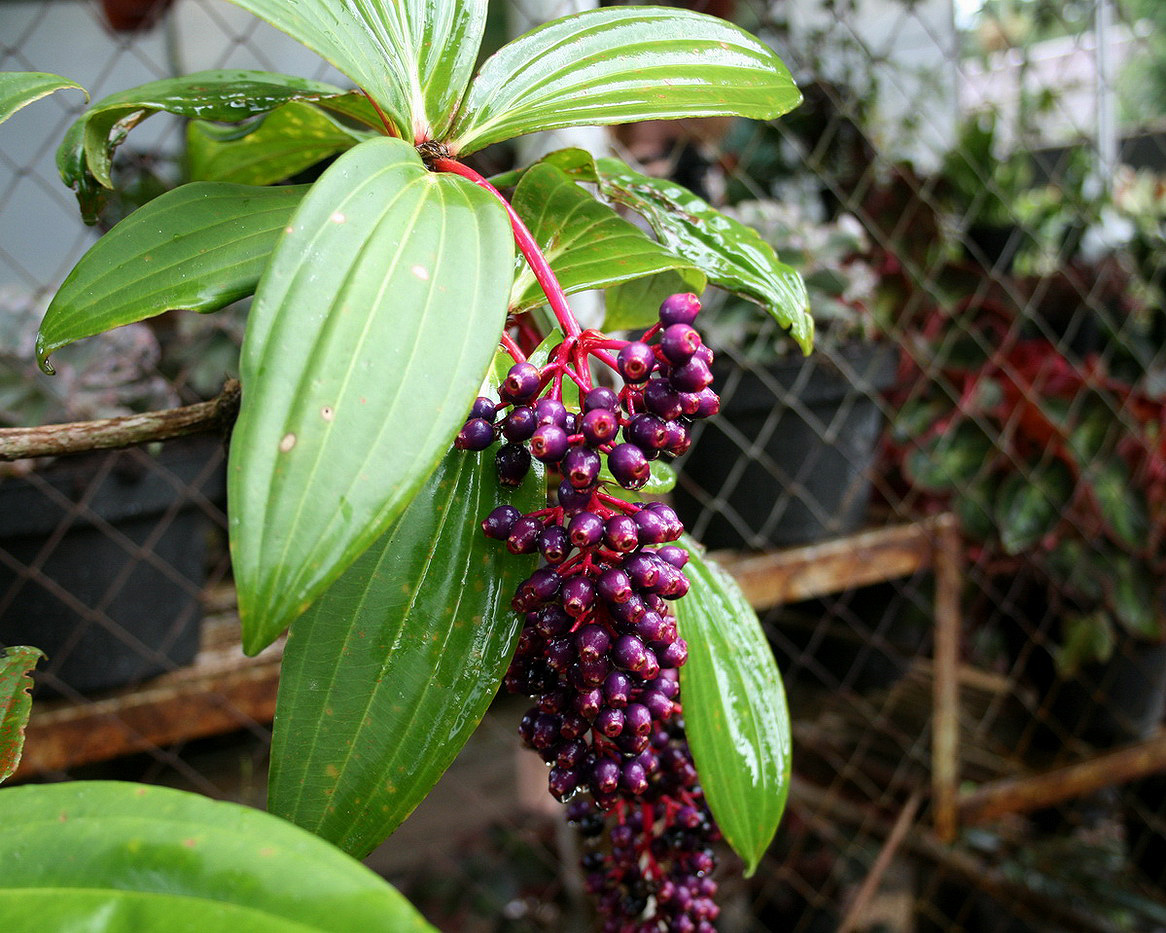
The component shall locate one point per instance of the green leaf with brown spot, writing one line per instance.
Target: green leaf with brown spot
(15, 703)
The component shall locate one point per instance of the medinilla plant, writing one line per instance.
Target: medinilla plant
(436, 476)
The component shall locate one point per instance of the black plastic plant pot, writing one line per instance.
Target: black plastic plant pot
(788, 459)
(102, 559)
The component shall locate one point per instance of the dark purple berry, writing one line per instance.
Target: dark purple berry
(523, 535)
(676, 654)
(578, 595)
(621, 534)
(562, 782)
(677, 438)
(710, 403)
(574, 725)
(616, 688)
(629, 466)
(483, 408)
(609, 721)
(572, 499)
(605, 776)
(599, 426)
(512, 462)
(661, 399)
(678, 343)
(629, 654)
(585, 530)
(658, 705)
(498, 523)
(638, 719)
(636, 361)
(581, 467)
(672, 522)
(679, 309)
(613, 586)
(674, 555)
(519, 425)
(648, 432)
(553, 544)
(588, 703)
(652, 528)
(692, 376)
(476, 434)
(630, 611)
(592, 642)
(690, 402)
(633, 779)
(643, 569)
(601, 397)
(521, 383)
(544, 584)
(545, 731)
(548, 443)
(550, 411)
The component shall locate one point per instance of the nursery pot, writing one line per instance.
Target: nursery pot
(787, 461)
(102, 558)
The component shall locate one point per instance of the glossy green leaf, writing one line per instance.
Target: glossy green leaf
(197, 248)
(586, 242)
(636, 305)
(288, 140)
(106, 857)
(368, 339)
(951, 459)
(20, 88)
(386, 676)
(733, 256)
(15, 703)
(622, 66)
(1120, 503)
(734, 709)
(1030, 506)
(413, 57)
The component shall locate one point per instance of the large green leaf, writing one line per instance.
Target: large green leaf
(110, 856)
(733, 256)
(621, 66)
(636, 305)
(414, 57)
(586, 242)
(15, 703)
(288, 140)
(951, 459)
(226, 96)
(1028, 507)
(1121, 504)
(20, 88)
(367, 341)
(198, 248)
(734, 709)
(386, 676)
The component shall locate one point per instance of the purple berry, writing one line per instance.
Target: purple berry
(616, 689)
(588, 703)
(605, 776)
(519, 425)
(609, 722)
(678, 343)
(677, 438)
(638, 719)
(679, 309)
(673, 525)
(710, 403)
(572, 499)
(636, 361)
(629, 654)
(676, 654)
(601, 397)
(661, 399)
(553, 544)
(578, 595)
(613, 586)
(548, 443)
(599, 426)
(498, 523)
(674, 555)
(621, 534)
(550, 411)
(629, 466)
(651, 527)
(692, 376)
(521, 383)
(550, 621)
(476, 434)
(523, 535)
(483, 408)
(581, 467)
(633, 779)
(592, 642)
(512, 463)
(562, 782)
(585, 530)
(643, 569)
(647, 432)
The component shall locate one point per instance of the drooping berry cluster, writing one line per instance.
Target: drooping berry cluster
(599, 649)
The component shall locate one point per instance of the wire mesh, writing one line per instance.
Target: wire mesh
(974, 194)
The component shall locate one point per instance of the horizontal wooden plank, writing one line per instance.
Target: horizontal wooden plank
(224, 690)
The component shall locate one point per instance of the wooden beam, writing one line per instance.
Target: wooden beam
(1036, 791)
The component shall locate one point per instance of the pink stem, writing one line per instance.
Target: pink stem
(526, 243)
(512, 348)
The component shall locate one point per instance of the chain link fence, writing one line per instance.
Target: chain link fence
(947, 516)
